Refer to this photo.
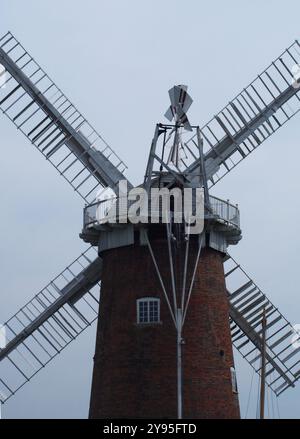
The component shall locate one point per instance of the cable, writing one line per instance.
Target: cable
(258, 393)
(277, 403)
(272, 396)
(250, 391)
(268, 401)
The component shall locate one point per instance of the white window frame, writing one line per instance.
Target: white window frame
(233, 380)
(147, 300)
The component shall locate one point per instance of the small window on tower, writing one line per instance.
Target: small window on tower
(148, 310)
(233, 380)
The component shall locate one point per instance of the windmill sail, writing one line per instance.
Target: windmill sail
(247, 305)
(49, 322)
(251, 117)
(38, 108)
(41, 329)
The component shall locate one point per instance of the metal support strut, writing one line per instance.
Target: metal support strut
(178, 314)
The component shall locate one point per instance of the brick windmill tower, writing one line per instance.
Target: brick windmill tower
(173, 302)
(168, 304)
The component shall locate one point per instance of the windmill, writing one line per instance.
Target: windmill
(172, 303)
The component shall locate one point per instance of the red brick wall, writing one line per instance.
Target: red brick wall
(135, 366)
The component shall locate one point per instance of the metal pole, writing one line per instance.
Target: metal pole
(171, 264)
(263, 367)
(173, 315)
(179, 363)
(202, 168)
(149, 169)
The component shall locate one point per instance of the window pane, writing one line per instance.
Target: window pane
(143, 312)
(153, 314)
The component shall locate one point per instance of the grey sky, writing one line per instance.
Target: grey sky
(116, 61)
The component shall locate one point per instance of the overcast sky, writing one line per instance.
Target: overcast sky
(116, 61)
